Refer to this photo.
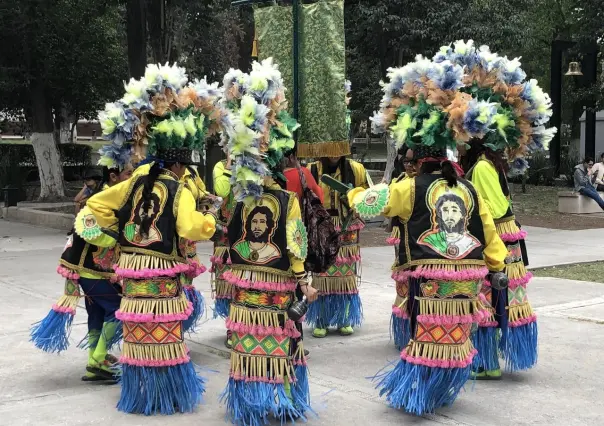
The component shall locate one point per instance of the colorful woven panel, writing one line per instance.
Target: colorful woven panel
(157, 333)
(349, 238)
(450, 334)
(517, 296)
(514, 253)
(271, 346)
(447, 289)
(402, 288)
(104, 258)
(280, 301)
(153, 287)
(344, 270)
(72, 288)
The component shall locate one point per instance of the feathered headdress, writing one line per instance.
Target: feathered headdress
(262, 129)
(466, 93)
(164, 115)
(115, 156)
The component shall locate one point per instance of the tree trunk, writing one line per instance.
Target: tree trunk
(391, 156)
(47, 155)
(63, 120)
(136, 31)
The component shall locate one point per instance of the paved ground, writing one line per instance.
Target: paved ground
(565, 388)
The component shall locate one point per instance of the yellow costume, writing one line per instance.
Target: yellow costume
(220, 258)
(510, 308)
(339, 303)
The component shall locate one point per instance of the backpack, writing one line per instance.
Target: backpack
(323, 239)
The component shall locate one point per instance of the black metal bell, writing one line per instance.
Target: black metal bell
(499, 281)
(297, 310)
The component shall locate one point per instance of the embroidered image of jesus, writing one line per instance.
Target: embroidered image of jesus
(449, 235)
(255, 245)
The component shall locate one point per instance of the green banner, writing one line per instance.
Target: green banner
(322, 71)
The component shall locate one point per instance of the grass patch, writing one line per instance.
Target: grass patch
(593, 271)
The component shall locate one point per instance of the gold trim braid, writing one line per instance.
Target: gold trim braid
(323, 149)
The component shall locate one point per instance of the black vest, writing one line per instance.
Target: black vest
(162, 238)
(259, 223)
(81, 256)
(444, 224)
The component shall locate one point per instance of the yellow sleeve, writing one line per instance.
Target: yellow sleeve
(222, 180)
(400, 202)
(191, 224)
(104, 204)
(486, 181)
(99, 215)
(494, 251)
(360, 174)
(142, 170)
(294, 213)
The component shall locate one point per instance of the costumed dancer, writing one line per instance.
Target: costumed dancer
(195, 184)
(233, 86)
(339, 304)
(220, 260)
(504, 116)
(267, 248)
(147, 216)
(448, 238)
(89, 267)
(399, 320)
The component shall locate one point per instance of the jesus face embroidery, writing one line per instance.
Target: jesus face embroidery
(255, 245)
(451, 210)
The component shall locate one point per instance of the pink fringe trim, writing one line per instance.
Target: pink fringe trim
(513, 237)
(393, 241)
(523, 321)
(517, 282)
(488, 324)
(246, 379)
(64, 310)
(438, 363)
(259, 330)
(399, 313)
(451, 319)
(154, 363)
(130, 317)
(441, 274)
(152, 273)
(348, 260)
(216, 260)
(258, 285)
(66, 273)
(300, 362)
(195, 269)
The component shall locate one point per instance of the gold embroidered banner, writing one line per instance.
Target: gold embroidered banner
(322, 70)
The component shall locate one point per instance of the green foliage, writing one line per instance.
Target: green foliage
(540, 170)
(74, 47)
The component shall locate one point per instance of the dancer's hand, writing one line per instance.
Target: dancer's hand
(310, 293)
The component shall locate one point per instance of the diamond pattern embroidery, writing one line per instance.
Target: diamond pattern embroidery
(517, 296)
(453, 334)
(153, 333)
(275, 346)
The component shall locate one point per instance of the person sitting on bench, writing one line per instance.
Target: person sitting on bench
(583, 181)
